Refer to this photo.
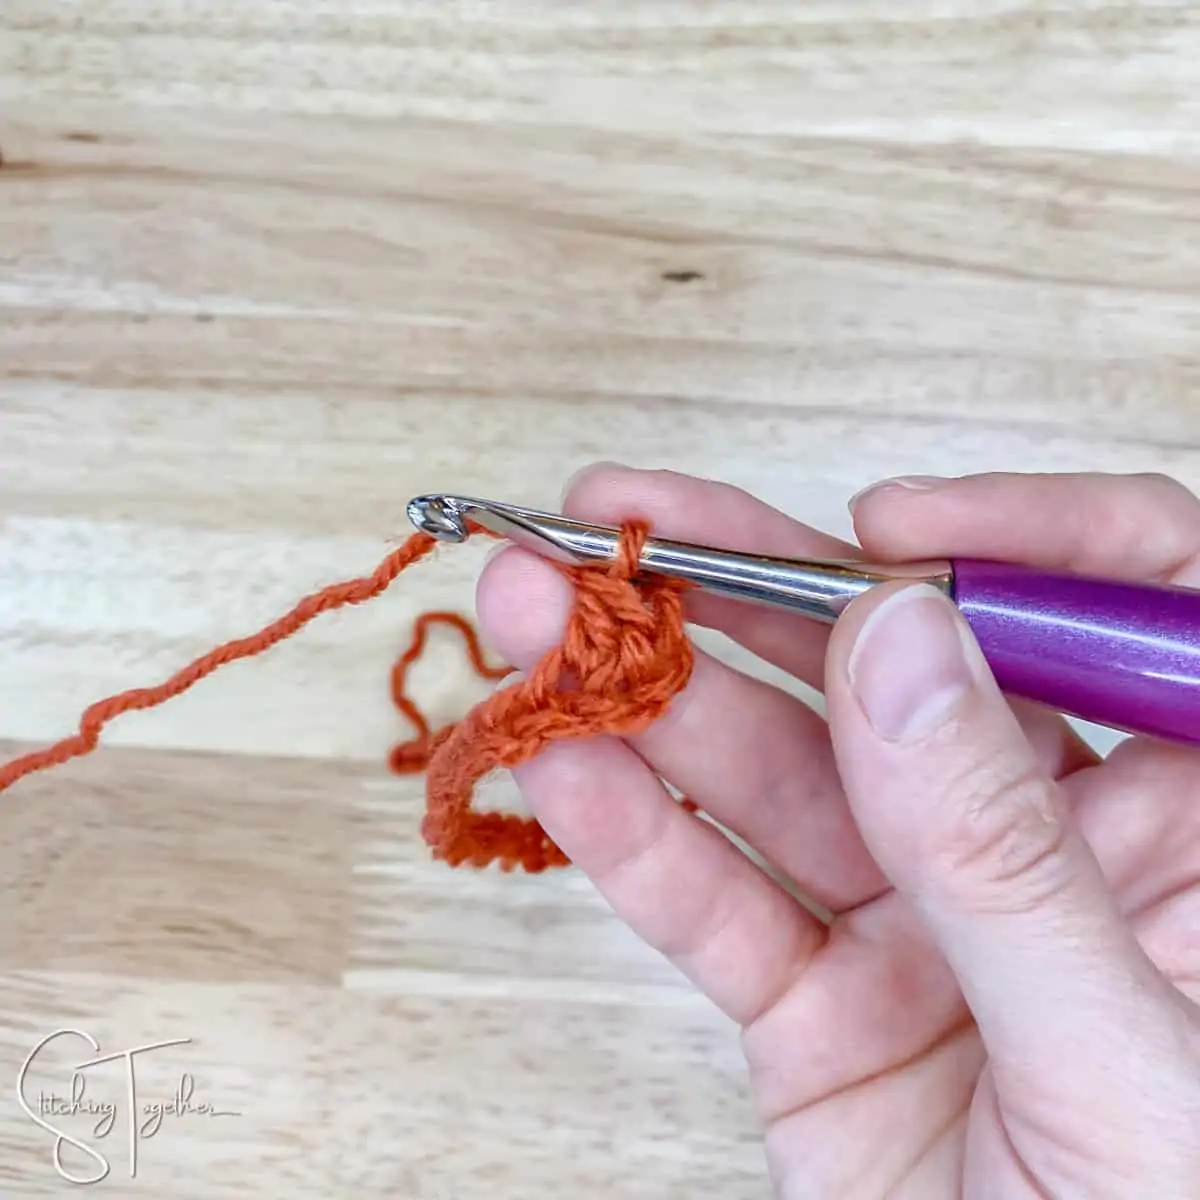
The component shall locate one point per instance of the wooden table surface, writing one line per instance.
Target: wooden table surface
(269, 268)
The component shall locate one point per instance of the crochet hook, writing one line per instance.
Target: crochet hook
(1123, 655)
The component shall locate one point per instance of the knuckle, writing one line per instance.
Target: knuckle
(696, 938)
(1003, 847)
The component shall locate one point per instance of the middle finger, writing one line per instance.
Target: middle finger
(753, 757)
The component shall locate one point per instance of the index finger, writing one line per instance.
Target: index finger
(1137, 527)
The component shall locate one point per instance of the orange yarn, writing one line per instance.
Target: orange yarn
(413, 755)
(355, 591)
(625, 655)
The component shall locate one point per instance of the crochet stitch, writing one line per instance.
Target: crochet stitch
(624, 656)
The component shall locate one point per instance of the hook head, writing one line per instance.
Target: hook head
(440, 517)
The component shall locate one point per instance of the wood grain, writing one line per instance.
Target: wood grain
(266, 270)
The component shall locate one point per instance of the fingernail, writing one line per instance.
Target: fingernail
(910, 483)
(909, 668)
(582, 474)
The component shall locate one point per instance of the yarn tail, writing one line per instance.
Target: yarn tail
(98, 715)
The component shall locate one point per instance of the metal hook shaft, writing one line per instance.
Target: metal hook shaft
(816, 588)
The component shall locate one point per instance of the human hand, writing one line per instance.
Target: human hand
(1005, 1003)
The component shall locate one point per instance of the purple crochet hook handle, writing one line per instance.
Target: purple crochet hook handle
(1118, 654)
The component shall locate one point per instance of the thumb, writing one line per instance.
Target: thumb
(951, 800)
